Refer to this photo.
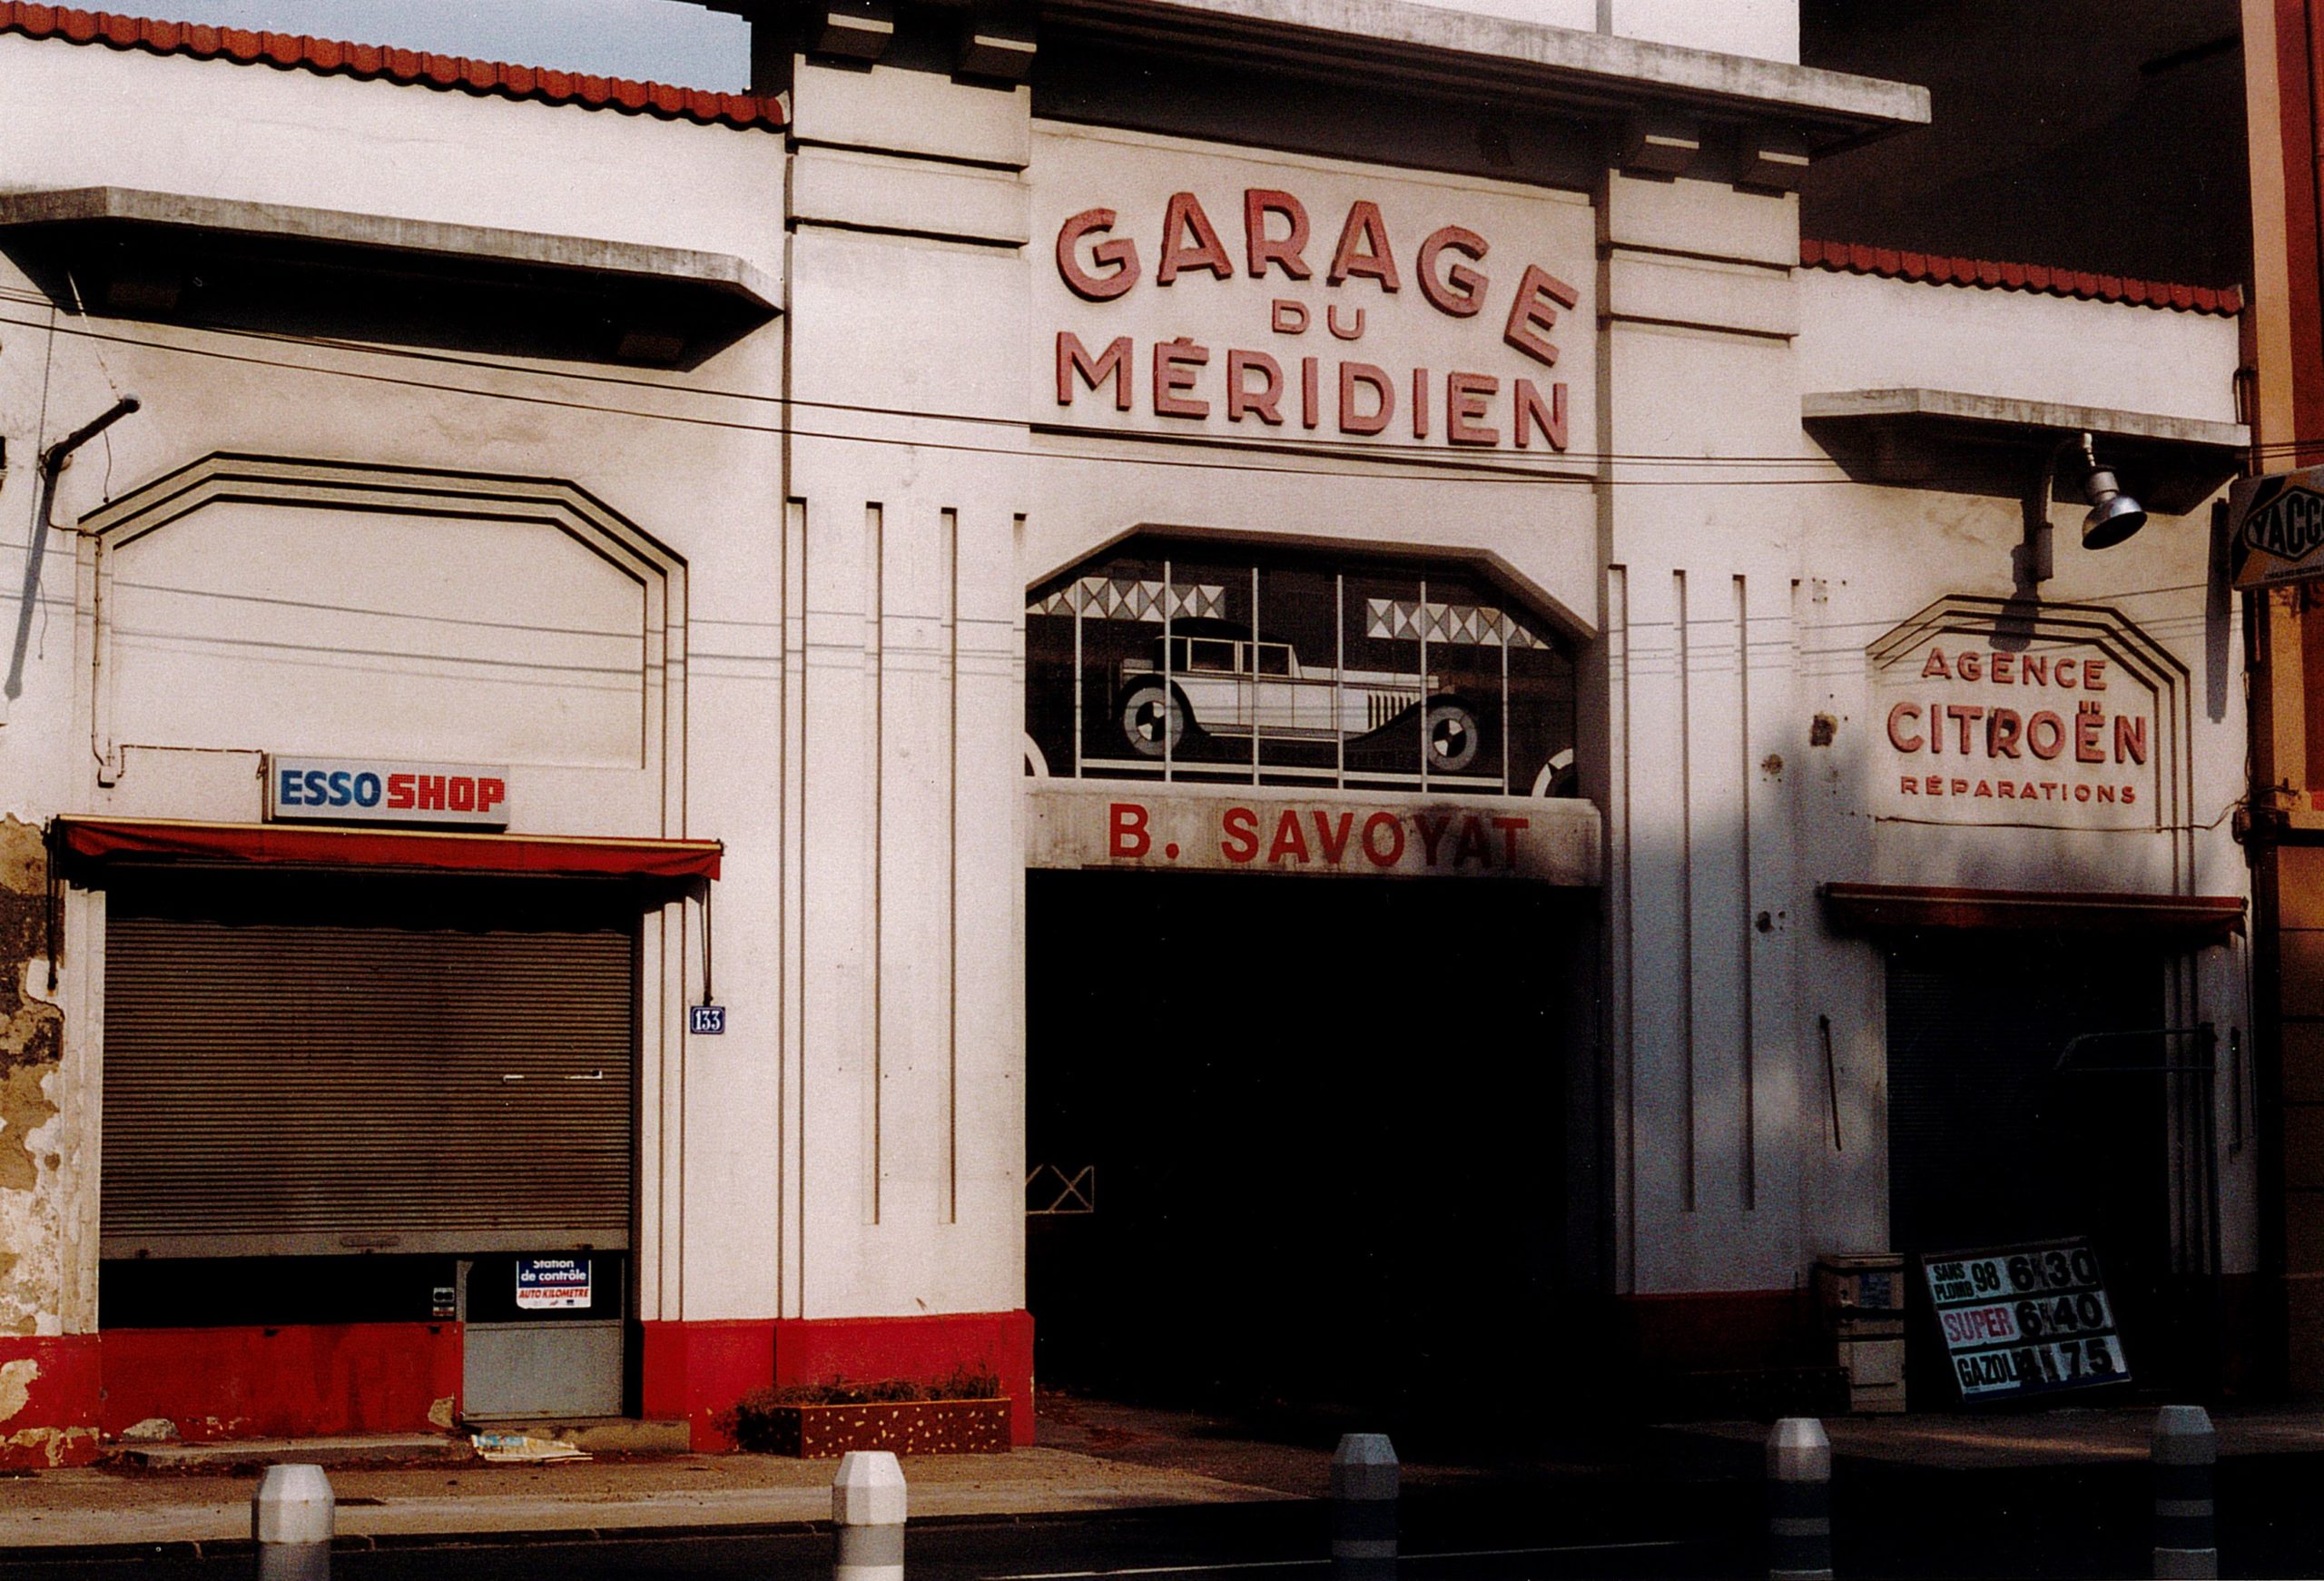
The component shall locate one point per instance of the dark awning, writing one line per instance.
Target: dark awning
(1874, 908)
(162, 839)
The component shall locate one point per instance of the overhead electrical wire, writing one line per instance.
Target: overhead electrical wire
(1441, 462)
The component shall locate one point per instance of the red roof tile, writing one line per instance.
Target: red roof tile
(332, 57)
(1852, 258)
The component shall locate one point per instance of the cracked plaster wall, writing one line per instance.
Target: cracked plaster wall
(32, 1217)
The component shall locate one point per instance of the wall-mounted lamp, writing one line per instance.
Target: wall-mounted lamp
(2113, 515)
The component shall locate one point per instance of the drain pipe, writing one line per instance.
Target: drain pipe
(52, 461)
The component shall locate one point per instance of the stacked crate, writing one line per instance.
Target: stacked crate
(1862, 1296)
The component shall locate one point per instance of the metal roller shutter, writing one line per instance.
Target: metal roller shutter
(291, 1071)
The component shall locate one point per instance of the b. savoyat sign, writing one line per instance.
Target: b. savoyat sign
(1552, 840)
(1310, 301)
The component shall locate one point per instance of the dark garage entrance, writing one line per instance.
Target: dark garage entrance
(2026, 1105)
(1323, 1124)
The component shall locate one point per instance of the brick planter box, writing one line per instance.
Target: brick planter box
(904, 1426)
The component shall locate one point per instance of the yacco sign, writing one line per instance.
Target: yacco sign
(2052, 735)
(1164, 828)
(357, 790)
(2276, 527)
(1313, 302)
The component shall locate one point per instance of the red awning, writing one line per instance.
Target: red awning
(162, 839)
(1890, 907)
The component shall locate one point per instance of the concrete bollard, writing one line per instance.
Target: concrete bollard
(292, 1521)
(1799, 1501)
(868, 1509)
(2186, 1451)
(1364, 1508)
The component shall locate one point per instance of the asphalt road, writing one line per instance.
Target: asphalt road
(1894, 1523)
(1281, 1542)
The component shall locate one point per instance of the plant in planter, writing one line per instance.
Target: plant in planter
(963, 1413)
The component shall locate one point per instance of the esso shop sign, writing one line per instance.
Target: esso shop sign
(1191, 295)
(356, 790)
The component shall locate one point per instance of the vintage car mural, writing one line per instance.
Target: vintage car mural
(1296, 670)
(1208, 676)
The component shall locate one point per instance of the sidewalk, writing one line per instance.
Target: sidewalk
(1093, 1456)
(99, 1507)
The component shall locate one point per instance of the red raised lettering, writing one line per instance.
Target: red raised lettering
(1125, 831)
(1119, 254)
(1073, 357)
(1331, 841)
(1531, 316)
(399, 790)
(1964, 715)
(1472, 847)
(1465, 395)
(2089, 734)
(1175, 362)
(1205, 252)
(1532, 414)
(1378, 854)
(1376, 261)
(1461, 292)
(1353, 421)
(1431, 838)
(1260, 249)
(1510, 828)
(1899, 716)
(1290, 841)
(1238, 834)
(2045, 733)
(1265, 400)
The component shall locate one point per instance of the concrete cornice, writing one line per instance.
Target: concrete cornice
(2041, 417)
(1395, 43)
(715, 271)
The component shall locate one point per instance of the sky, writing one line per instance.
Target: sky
(662, 40)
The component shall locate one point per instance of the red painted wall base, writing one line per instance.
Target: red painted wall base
(286, 1382)
(921, 1350)
(49, 1401)
(697, 1371)
(57, 1394)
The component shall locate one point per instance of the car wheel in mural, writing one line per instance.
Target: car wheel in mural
(1153, 718)
(1452, 736)
(1146, 666)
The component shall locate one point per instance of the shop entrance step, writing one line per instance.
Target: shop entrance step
(352, 1449)
(602, 1435)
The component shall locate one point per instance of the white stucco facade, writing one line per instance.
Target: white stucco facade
(777, 600)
